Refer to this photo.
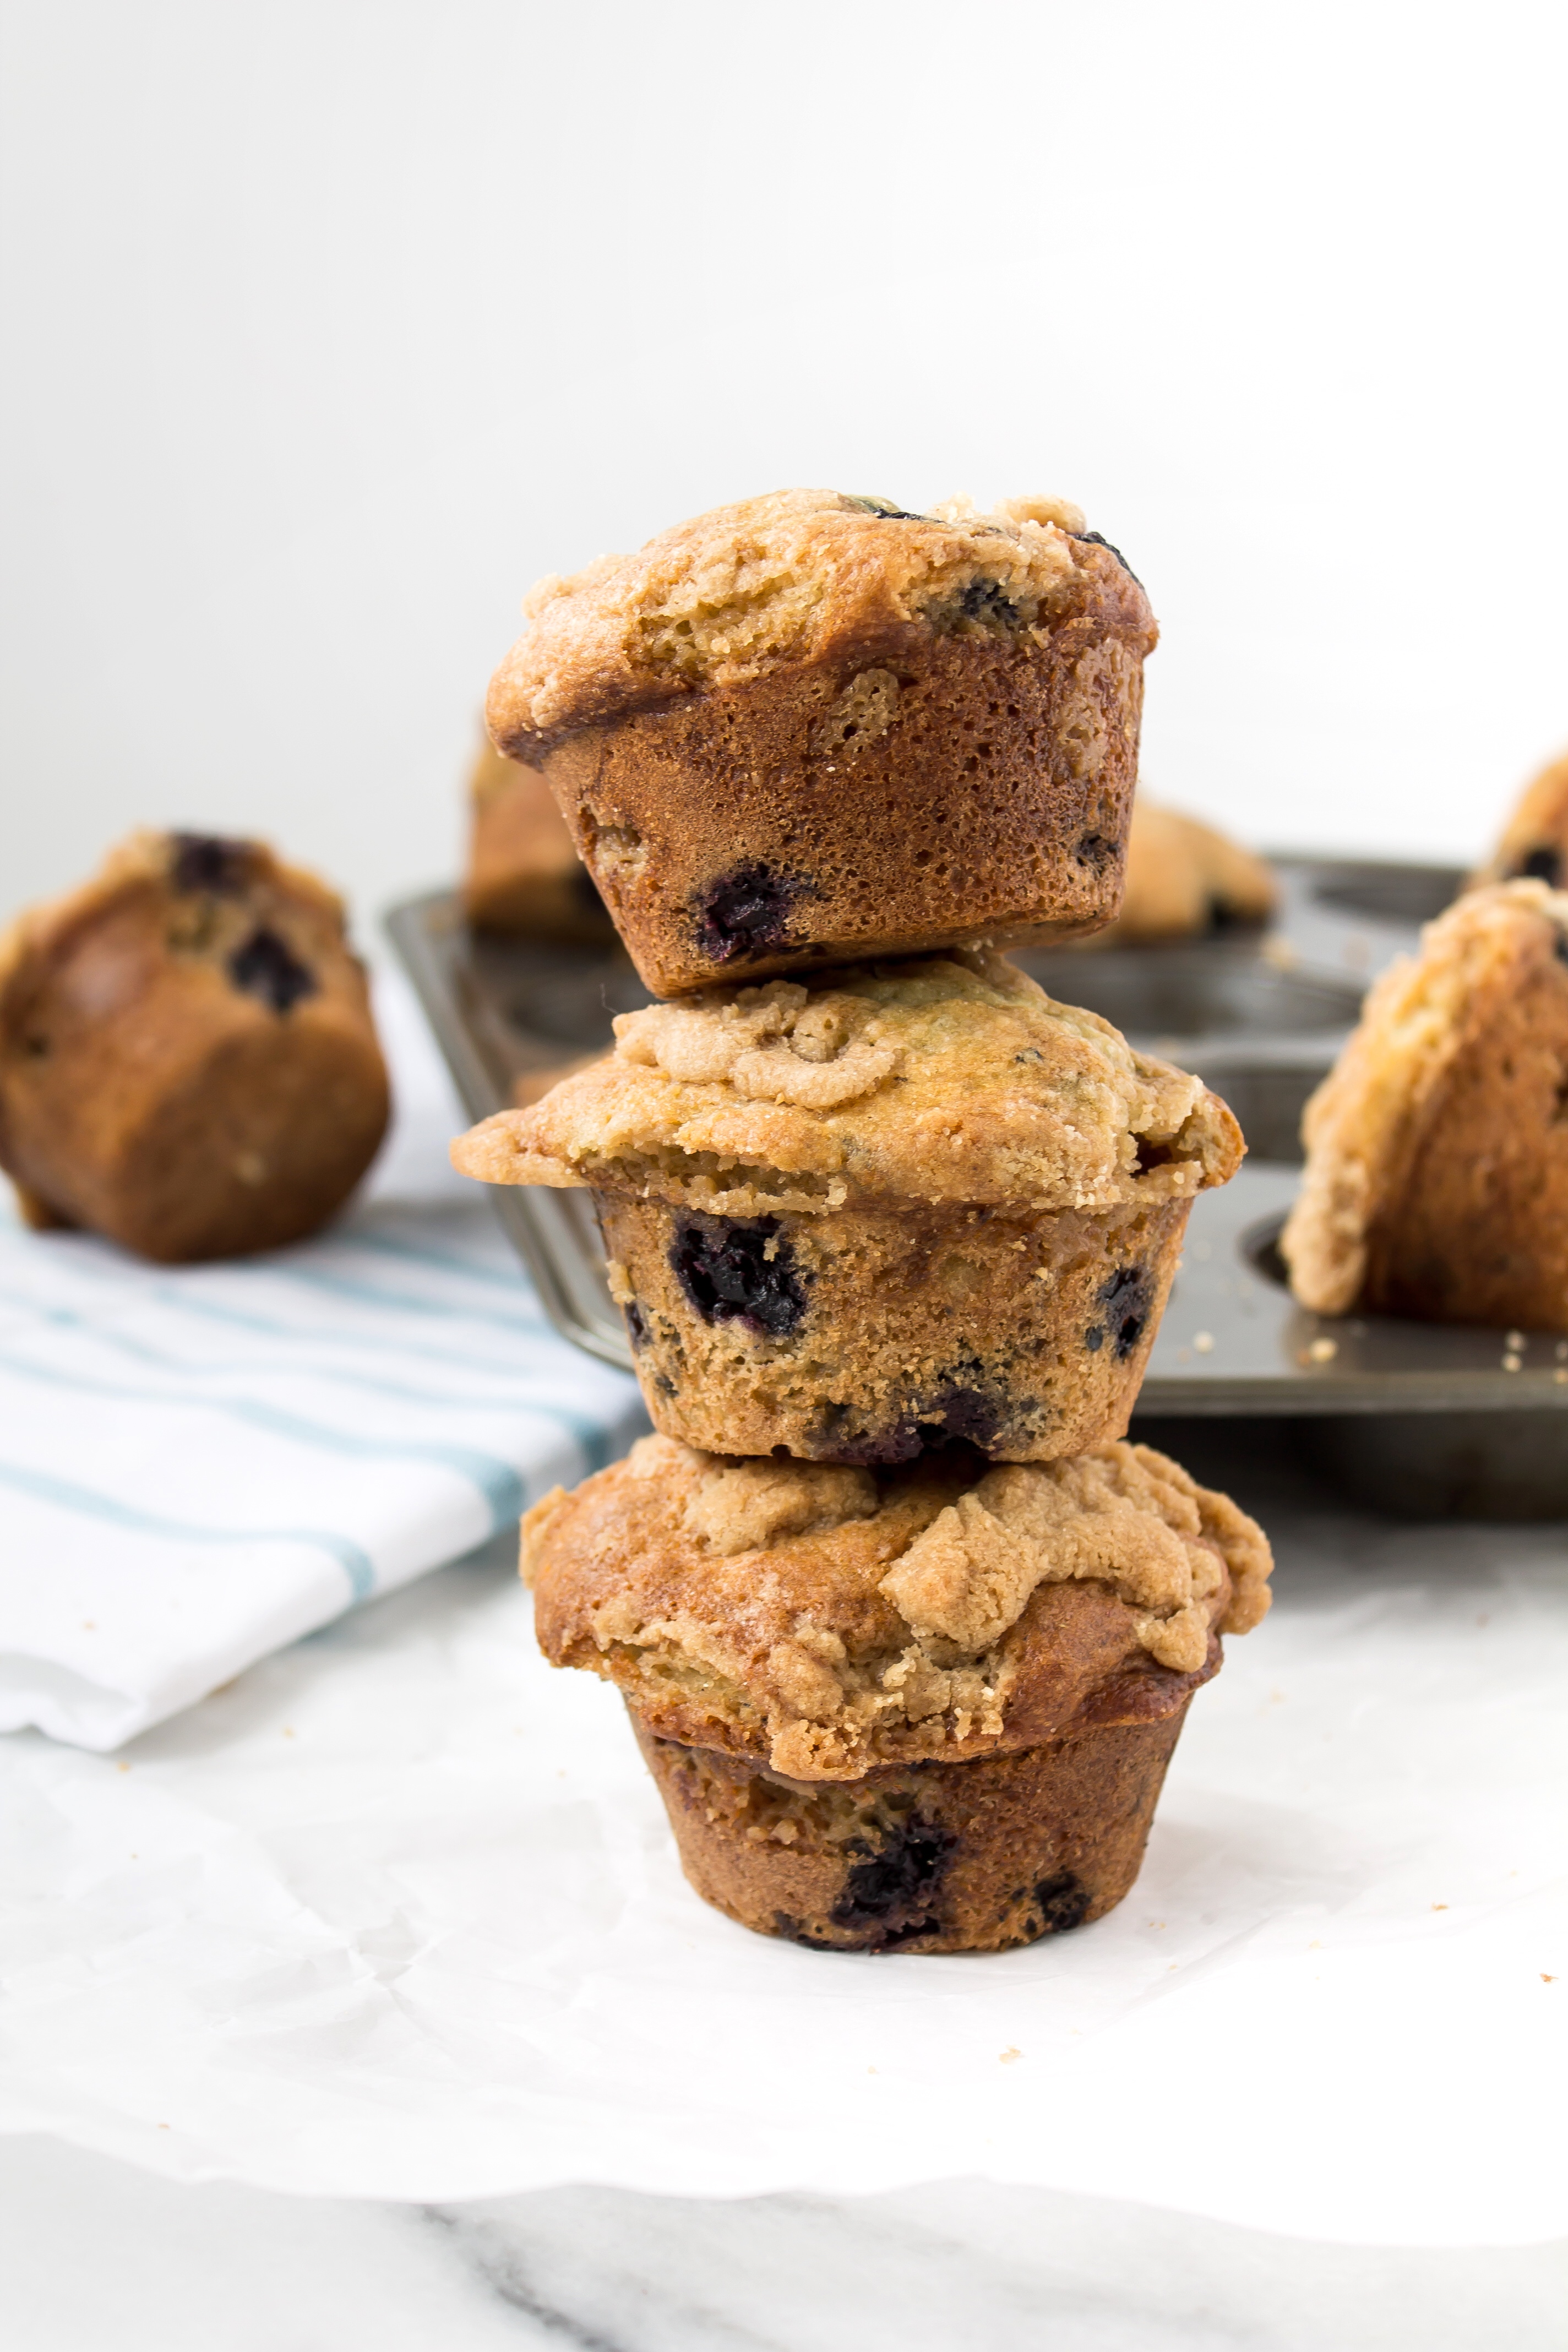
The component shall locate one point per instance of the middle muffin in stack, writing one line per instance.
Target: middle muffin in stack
(865, 1212)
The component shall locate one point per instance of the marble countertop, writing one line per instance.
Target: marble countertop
(94, 2254)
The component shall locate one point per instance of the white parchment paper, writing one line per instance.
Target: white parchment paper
(397, 1915)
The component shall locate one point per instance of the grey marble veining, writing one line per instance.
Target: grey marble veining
(94, 2254)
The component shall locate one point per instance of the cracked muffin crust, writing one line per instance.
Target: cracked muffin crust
(187, 1059)
(905, 1204)
(954, 1080)
(811, 727)
(524, 871)
(818, 1659)
(1437, 1176)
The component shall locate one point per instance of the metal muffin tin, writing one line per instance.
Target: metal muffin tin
(1415, 1417)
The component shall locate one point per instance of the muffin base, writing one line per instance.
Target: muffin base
(941, 791)
(970, 1857)
(866, 1336)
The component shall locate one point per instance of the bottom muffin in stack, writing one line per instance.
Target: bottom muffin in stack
(927, 1709)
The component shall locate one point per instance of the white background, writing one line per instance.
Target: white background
(331, 326)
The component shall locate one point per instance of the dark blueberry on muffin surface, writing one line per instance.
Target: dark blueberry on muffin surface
(1544, 865)
(1126, 1296)
(746, 911)
(1063, 1903)
(732, 1271)
(892, 1891)
(204, 861)
(265, 967)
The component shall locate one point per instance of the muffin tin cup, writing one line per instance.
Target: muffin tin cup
(949, 789)
(868, 1335)
(979, 1856)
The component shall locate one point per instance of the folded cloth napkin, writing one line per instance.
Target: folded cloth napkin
(200, 1464)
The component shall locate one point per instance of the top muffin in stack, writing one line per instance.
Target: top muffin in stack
(816, 728)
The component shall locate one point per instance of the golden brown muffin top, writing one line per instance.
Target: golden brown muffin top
(1534, 841)
(1419, 1016)
(212, 892)
(952, 1079)
(798, 576)
(833, 1620)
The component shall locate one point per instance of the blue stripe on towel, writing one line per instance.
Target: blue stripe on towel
(356, 1564)
(420, 1254)
(405, 1302)
(497, 1480)
(141, 1351)
(168, 1295)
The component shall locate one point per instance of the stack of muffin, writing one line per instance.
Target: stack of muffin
(906, 1633)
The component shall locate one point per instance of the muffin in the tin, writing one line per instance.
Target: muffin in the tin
(1534, 842)
(523, 873)
(906, 1204)
(810, 727)
(1437, 1176)
(928, 1710)
(188, 1062)
(1186, 880)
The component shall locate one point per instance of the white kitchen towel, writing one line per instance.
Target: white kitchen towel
(198, 1464)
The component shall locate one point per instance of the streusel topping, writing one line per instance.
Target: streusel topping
(950, 1079)
(834, 1620)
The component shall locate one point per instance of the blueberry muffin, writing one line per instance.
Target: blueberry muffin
(1534, 843)
(903, 1204)
(1437, 1177)
(812, 728)
(524, 871)
(1184, 880)
(187, 1059)
(923, 1711)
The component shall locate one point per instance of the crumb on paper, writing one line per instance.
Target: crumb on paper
(1546, 1979)
(1008, 2055)
(1439, 1907)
